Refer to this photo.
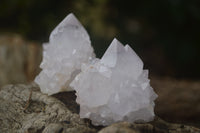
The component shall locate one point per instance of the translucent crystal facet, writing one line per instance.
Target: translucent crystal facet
(115, 88)
(69, 46)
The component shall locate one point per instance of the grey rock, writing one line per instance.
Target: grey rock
(157, 126)
(19, 59)
(24, 109)
(122, 127)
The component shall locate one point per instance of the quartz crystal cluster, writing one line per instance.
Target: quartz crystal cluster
(69, 46)
(111, 89)
(115, 88)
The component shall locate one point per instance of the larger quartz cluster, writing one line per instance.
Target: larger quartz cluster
(69, 46)
(115, 88)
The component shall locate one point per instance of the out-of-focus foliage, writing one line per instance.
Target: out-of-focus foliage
(165, 33)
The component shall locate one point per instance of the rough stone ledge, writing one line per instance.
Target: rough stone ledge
(24, 109)
(40, 113)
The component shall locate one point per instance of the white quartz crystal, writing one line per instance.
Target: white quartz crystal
(69, 46)
(115, 88)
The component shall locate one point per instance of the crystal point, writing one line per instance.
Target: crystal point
(68, 23)
(110, 56)
(69, 46)
(115, 88)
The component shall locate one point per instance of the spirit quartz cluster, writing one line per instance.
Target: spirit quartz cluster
(69, 46)
(111, 89)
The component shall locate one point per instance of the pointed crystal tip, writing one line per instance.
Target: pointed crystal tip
(110, 56)
(69, 20)
(117, 42)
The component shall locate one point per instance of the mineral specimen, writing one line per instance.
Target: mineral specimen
(69, 46)
(115, 88)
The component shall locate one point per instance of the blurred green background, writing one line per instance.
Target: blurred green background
(165, 34)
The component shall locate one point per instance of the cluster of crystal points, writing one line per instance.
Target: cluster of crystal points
(69, 46)
(115, 88)
(111, 89)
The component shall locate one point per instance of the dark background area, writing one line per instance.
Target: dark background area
(165, 34)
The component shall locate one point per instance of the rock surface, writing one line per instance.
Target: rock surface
(40, 113)
(24, 109)
(19, 59)
(157, 126)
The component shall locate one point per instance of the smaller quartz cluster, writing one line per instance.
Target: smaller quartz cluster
(69, 46)
(111, 89)
(115, 88)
